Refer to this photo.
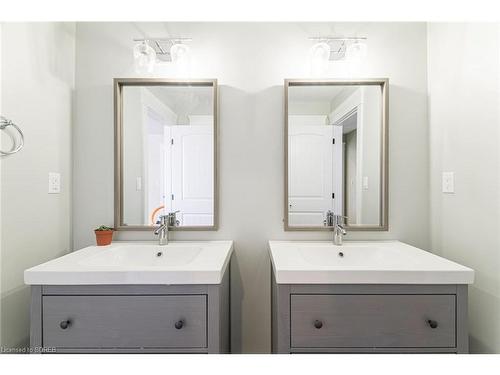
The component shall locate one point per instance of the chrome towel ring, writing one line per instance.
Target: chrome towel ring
(4, 122)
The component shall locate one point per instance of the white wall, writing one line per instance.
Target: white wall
(251, 61)
(371, 151)
(37, 81)
(1, 226)
(133, 155)
(464, 105)
(350, 172)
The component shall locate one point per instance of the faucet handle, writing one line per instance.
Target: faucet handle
(328, 222)
(172, 219)
(163, 219)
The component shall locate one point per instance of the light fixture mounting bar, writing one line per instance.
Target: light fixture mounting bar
(334, 38)
(338, 45)
(163, 47)
(181, 39)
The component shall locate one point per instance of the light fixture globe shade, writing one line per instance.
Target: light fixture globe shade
(356, 51)
(320, 52)
(319, 57)
(144, 57)
(179, 52)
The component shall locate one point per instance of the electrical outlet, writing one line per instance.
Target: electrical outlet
(54, 183)
(448, 182)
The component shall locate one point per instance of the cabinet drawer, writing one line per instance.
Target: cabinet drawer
(372, 321)
(125, 321)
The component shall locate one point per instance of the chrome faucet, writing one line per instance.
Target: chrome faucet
(166, 221)
(337, 223)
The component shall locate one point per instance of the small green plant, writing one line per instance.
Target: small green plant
(103, 228)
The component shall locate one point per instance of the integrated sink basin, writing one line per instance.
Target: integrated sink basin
(377, 262)
(136, 263)
(143, 256)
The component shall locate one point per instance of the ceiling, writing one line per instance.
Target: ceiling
(185, 100)
(317, 93)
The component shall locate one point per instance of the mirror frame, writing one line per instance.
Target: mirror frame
(118, 85)
(384, 161)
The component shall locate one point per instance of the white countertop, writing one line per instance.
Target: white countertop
(179, 262)
(374, 262)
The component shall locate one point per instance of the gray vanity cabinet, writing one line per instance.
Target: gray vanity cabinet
(360, 318)
(131, 318)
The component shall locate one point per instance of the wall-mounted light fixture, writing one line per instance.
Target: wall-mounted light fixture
(148, 52)
(330, 48)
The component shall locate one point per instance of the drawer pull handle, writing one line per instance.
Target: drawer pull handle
(65, 324)
(432, 323)
(179, 324)
(318, 324)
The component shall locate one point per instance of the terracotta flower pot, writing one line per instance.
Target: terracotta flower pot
(103, 237)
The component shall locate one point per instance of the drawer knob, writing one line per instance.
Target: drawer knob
(318, 324)
(432, 323)
(65, 324)
(179, 324)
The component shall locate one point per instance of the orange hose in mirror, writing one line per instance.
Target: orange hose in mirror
(153, 214)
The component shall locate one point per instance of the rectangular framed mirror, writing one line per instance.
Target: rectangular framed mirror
(336, 153)
(166, 153)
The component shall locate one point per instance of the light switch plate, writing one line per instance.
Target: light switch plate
(54, 183)
(365, 182)
(448, 182)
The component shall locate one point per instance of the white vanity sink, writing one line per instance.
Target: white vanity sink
(377, 262)
(143, 256)
(136, 263)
